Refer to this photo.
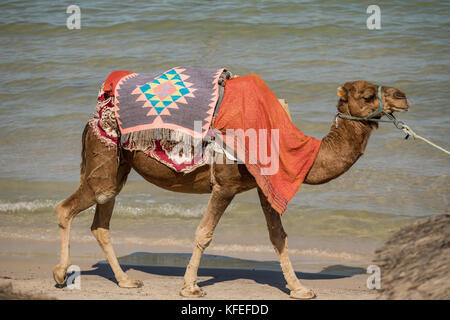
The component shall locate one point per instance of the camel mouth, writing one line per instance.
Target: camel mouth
(400, 108)
(403, 107)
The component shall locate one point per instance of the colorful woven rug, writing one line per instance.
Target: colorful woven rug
(250, 109)
(164, 106)
(180, 156)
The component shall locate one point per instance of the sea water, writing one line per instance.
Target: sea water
(304, 50)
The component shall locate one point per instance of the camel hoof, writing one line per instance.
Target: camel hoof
(303, 293)
(192, 291)
(130, 283)
(60, 275)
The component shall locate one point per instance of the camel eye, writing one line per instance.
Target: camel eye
(368, 99)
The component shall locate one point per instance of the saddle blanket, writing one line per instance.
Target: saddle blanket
(176, 105)
(165, 115)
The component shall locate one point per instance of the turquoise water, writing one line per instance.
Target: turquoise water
(304, 50)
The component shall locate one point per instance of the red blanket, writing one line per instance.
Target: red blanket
(249, 104)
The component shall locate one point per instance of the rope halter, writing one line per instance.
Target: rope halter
(371, 117)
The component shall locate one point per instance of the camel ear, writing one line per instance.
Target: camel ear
(342, 93)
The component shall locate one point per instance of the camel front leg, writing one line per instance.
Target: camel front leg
(279, 240)
(100, 229)
(217, 204)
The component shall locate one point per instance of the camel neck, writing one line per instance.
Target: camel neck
(348, 139)
(340, 149)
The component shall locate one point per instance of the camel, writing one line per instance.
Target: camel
(104, 172)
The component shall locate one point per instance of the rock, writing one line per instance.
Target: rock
(7, 293)
(415, 261)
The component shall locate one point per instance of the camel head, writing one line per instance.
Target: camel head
(360, 99)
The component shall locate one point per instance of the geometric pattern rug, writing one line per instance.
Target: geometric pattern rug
(176, 103)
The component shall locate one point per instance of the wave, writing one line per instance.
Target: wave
(150, 208)
(27, 206)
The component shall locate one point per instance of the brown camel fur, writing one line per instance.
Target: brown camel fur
(104, 172)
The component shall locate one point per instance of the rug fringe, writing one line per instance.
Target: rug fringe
(142, 140)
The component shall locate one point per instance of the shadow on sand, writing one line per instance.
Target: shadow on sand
(219, 268)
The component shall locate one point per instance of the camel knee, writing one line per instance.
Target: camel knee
(203, 238)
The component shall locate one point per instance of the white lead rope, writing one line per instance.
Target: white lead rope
(409, 132)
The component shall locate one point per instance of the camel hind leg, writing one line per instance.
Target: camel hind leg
(100, 229)
(82, 199)
(102, 177)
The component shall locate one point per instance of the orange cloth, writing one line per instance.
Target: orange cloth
(249, 104)
(113, 78)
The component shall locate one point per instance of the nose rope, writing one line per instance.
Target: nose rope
(398, 124)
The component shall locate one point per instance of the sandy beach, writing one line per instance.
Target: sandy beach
(27, 265)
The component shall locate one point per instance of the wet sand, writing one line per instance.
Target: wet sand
(27, 265)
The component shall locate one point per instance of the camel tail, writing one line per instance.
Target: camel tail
(83, 149)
